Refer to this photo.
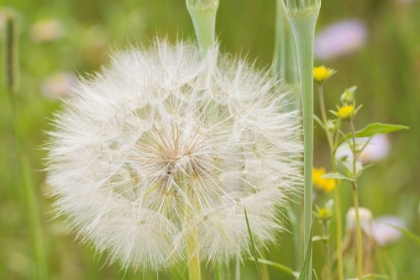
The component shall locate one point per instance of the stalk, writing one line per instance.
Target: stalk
(11, 54)
(285, 64)
(194, 270)
(333, 146)
(34, 217)
(303, 20)
(203, 14)
(327, 251)
(237, 269)
(339, 224)
(356, 207)
(285, 68)
(11, 66)
(264, 267)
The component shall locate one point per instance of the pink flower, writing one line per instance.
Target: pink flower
(340, 39)
(383, 232)
(58, 85)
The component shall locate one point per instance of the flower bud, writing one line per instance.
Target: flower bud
(347, 98)
(324, 214)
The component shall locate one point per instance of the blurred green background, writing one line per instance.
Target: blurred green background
(84, 32)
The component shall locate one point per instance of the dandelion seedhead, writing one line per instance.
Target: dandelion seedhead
(167, 142)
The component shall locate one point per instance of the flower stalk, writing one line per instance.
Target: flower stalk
(11, 70)
(332, 142)
(356, 205)
(194, 270)
(203, 14)
(285, 68)
(303, 17)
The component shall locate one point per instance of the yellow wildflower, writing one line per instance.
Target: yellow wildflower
(322, 73)
(322, 184)
(346, 113)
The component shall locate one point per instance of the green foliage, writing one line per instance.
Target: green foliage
(93, 28)
(374, 129)
(253, 248)
(337, 176)
(304, 274)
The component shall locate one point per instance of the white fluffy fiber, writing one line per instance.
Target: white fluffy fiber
(165, 141)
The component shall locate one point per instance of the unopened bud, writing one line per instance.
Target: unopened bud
(347, 98)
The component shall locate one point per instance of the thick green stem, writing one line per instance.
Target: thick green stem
(332, 145)
(237, 269)
(356, 206)
(303, 26)
(203, 14)
(285, 64)
(194, 270)
(285, 68)
(264, 267)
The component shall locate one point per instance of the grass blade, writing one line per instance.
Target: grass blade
(306, 263)
(253, 249)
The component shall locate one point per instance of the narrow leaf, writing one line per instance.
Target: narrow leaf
(305, 269)
(319, 238)
(253, 250)
(371, 276)
(337, 176)
(414, 237)
(319, 122)
(281, 267)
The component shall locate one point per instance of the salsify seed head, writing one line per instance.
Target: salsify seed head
(166, 142)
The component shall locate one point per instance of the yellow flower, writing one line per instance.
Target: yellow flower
(346, 113)
(322, 73)
(322, 184)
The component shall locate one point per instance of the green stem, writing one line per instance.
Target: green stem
(303, 27)
(264, 267)
(34, 217)
(324, 114)
(237, 269)
(285, 67)
(327, 250)
(356, 207)
(332, 144)
(194, 270)
(339, 225)
(203, 14)
(11, 55)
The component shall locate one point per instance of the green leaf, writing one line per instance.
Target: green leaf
(318, 120)
(319, 238)
(337, 176)
(304, 273)
(414, 237)
(371, 276)
(375, 129)
(281, 267)
(253, 250)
